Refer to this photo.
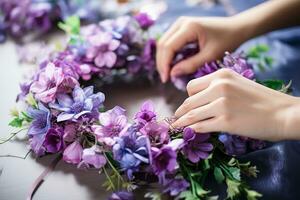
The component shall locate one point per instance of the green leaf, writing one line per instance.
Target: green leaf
(232, 188)
(252, 194)
(186, 195)
(153, 196)
(71, 25)
(16, 122)
(269, 61)
(262, 48)
(218, 175)
(26, 117)
(235, 172)
(200, 191)
(273, 84)
(31, 101)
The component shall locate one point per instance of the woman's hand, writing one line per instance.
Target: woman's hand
(215, 35)
(227, 102)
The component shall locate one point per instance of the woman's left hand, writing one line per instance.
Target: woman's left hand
(225, 101)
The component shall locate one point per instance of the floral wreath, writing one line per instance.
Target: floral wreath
(68, 119)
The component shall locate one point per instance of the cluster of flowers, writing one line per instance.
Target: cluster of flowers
(66, 118)
(18, 17)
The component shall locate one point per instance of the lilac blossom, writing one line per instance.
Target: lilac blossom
(121, 195)
(113, 123)
(175, 186)
(82, 102)
(54, 140)
(102, 49)
(93, 156)
(40, 120)
(50, 82)
(70, 132)
(146, 113)
(131, 150)
(73, 153)
(206, 69)
(234, 145)
(158, 133)
(144, 20)
(196, 145)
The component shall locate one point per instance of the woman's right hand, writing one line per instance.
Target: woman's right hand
(215, 35)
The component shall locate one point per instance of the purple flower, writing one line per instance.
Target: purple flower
(70, 131)
(144, 20)
(176, 186)
(51, 81)
(122, 195)
(93, 157)
(239, 64)
(146, 113)
(157, 133)
(164, 159)
(130, 151)
(25, 87)
(196, 146)
(102, 49)
(234, 145)
(40, 120)
(54, 140)
(206, 69)
(83, 101)
(112, 123)
(73, 153)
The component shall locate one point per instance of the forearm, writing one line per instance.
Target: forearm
(291, 128)
(266, 17)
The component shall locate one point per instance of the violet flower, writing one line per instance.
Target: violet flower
(144, 20)
(121, 195)
(102, 49)
(73, 153)
(40, 120)
(206, 69)
(51, 81)
(113, 123)
(130, 151)
(165, 159)
(83, 102)
(92, 156)
(146, 113)
(175, 186)
(157, 133)
(196, 145)
(234, 145)
(54, 140)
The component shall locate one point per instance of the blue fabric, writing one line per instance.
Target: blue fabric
(279, 163)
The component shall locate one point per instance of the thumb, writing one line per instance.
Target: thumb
(190, 65)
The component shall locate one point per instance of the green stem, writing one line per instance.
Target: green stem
(109, 179)
(14, 156)
(113, 168)
(2, 141)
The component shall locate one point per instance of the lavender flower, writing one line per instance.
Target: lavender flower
(196, 146)
(157, 133)
(51, 81)
(122, 195)
(206, 69)
(40, 120)
(92, 156)
(234, 145)
(54, 140)
(146, 113)
(113, 123)
(73, 153)
(83, 102)
(144, 20)
(131, 150)
(102, 49)
(175, 186)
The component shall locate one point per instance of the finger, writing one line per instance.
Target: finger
(171, 46)
(200, 99)
(191, 64)
(195, 115)
(207, 126)
(169, 32)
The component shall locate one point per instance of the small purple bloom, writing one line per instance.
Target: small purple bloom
(70, 131)
(73, 153)
(157, 133)
(54, 140)
(93, 156)
(206, 69)
(40, 120)
(234, 145)
(102, 49)
(144, 20)
(122, 195)
(196, 145)
(130, 151)
(113, 123)
(175, 186)
(146, 113)
(83, 101)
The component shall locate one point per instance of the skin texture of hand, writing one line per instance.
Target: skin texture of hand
(214, 35)
(227, 102)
